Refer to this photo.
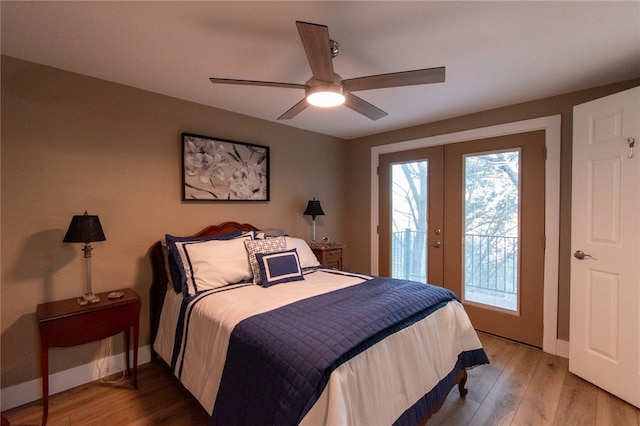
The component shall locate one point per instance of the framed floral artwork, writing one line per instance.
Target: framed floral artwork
(223, 170)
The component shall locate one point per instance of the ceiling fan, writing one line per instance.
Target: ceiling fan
(326, 88)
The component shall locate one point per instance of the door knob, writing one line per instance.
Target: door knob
(579, 254)
(437, 244)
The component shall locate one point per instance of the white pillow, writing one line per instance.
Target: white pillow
(213, 264)
(307, 258)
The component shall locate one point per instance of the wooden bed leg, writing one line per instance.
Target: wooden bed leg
(462, 382)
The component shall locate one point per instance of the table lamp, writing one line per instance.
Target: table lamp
(85, 229)
(313, 209)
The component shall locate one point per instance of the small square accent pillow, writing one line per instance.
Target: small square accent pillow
(279, 267)
(270, 245)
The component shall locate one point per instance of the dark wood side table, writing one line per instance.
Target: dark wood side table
(66, 323)
(328, 254)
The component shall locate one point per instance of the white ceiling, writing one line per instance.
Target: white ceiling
(495, 53)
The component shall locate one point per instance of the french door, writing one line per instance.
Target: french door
(476, 223)
(411, 214)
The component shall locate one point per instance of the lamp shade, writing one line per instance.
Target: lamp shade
(313, 208)
(84, 229)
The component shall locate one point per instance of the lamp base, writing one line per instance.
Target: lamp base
(88, 298)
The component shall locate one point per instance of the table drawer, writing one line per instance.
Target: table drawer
(330, 255)
(92, 326)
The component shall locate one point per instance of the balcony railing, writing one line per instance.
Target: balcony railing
(491, 263)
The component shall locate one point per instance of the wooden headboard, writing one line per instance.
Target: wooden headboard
(159, 278)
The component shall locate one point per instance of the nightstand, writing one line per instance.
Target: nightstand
(329, 254)
(66, 323)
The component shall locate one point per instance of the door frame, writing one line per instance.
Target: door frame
(551, 125)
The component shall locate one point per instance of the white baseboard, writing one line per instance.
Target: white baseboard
(24, 393)
(562, 348)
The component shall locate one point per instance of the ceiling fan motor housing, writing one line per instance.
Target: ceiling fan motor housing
(334, 48)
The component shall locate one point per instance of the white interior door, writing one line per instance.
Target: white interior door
(605, 239)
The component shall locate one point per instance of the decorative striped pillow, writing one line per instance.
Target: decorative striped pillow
(212, 264)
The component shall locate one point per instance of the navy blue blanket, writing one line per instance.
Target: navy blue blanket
(279, 362)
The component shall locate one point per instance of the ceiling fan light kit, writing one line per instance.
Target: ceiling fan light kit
(325, 95)
(326, 89)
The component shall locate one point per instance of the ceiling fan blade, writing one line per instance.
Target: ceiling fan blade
(396, 79)
(256, 83)
(363, 107)
(294, 110)
(315, 39)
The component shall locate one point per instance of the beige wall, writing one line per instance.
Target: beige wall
(359, 158)
(72, 143)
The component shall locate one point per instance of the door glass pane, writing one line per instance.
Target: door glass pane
(491, 228)
(409, 220)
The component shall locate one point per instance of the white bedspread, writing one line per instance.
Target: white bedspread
(364, 390)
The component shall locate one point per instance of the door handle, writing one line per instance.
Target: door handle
(580, 255)
(437, 244)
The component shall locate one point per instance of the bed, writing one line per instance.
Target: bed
(272, 337)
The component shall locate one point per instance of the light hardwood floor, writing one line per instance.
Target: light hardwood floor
(521, 386)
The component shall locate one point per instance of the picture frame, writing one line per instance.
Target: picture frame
(215, 169)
